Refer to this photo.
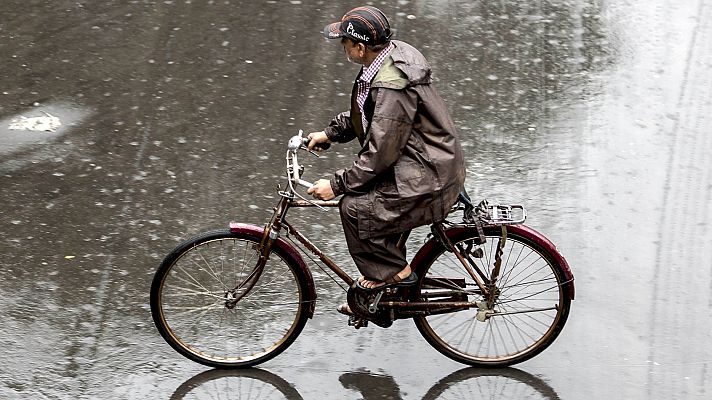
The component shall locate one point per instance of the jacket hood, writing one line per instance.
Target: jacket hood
(411, 67)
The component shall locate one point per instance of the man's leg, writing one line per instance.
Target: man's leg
(377, 258)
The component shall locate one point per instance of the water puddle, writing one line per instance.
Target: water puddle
(39, 125)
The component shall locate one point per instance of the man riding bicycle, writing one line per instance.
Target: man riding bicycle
(409, 170)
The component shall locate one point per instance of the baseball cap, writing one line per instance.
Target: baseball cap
(365, 24)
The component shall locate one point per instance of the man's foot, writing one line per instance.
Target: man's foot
(345, 309)
(404, 277)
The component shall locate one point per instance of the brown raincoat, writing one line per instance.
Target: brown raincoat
(410, 168)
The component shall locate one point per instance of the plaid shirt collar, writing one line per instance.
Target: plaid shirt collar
(370, 72)
(364, 80)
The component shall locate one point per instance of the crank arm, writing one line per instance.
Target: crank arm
(373, 307)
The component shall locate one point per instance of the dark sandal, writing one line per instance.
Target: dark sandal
(393, 281)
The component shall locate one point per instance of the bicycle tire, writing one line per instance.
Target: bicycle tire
(189, 292)
(531, 279)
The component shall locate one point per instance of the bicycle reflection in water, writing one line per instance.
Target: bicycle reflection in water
(467, 383)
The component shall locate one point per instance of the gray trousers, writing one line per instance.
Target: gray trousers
(377, 257)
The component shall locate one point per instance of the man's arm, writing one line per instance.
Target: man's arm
(341, 129)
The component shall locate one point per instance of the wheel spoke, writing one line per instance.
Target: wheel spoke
(188, 292)
(209, 267)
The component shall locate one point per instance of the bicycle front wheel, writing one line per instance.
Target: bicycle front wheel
(529, 310)
(190, 301)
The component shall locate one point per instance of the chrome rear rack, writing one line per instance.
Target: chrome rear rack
(503, 214)
(490, 214)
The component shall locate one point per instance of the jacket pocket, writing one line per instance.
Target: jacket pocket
(410, 178)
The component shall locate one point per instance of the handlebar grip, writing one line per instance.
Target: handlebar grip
(318, 146)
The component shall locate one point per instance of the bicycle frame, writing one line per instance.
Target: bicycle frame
(280, 222)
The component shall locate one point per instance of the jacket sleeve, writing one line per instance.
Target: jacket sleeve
(340, 130)
(388, 135)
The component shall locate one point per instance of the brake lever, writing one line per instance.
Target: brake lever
(315, 154)
(320, 146)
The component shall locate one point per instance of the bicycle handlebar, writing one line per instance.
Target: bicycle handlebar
(294, 170)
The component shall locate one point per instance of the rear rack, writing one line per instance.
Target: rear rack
(504, 214)
(490, 214)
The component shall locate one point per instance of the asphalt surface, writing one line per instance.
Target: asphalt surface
(174, 117)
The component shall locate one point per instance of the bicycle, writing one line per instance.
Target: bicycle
(491, 292)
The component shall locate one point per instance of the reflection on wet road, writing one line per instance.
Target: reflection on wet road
(466, 383)
(593, 114)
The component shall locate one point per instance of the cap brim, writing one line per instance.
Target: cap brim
(333, 31)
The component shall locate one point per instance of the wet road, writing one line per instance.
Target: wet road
(174, 114)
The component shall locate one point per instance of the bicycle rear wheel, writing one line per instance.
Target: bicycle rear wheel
(528, 313)
(189, 301)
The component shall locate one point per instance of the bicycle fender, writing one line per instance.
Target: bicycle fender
(521, 230)
(544, 242)
(289, 251)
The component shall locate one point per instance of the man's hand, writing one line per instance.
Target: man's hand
(315, 138)
(321, 190)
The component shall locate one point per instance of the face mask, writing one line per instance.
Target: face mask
(352, 60)
(348, 57)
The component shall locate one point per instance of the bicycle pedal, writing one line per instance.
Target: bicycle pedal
(357, 322)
